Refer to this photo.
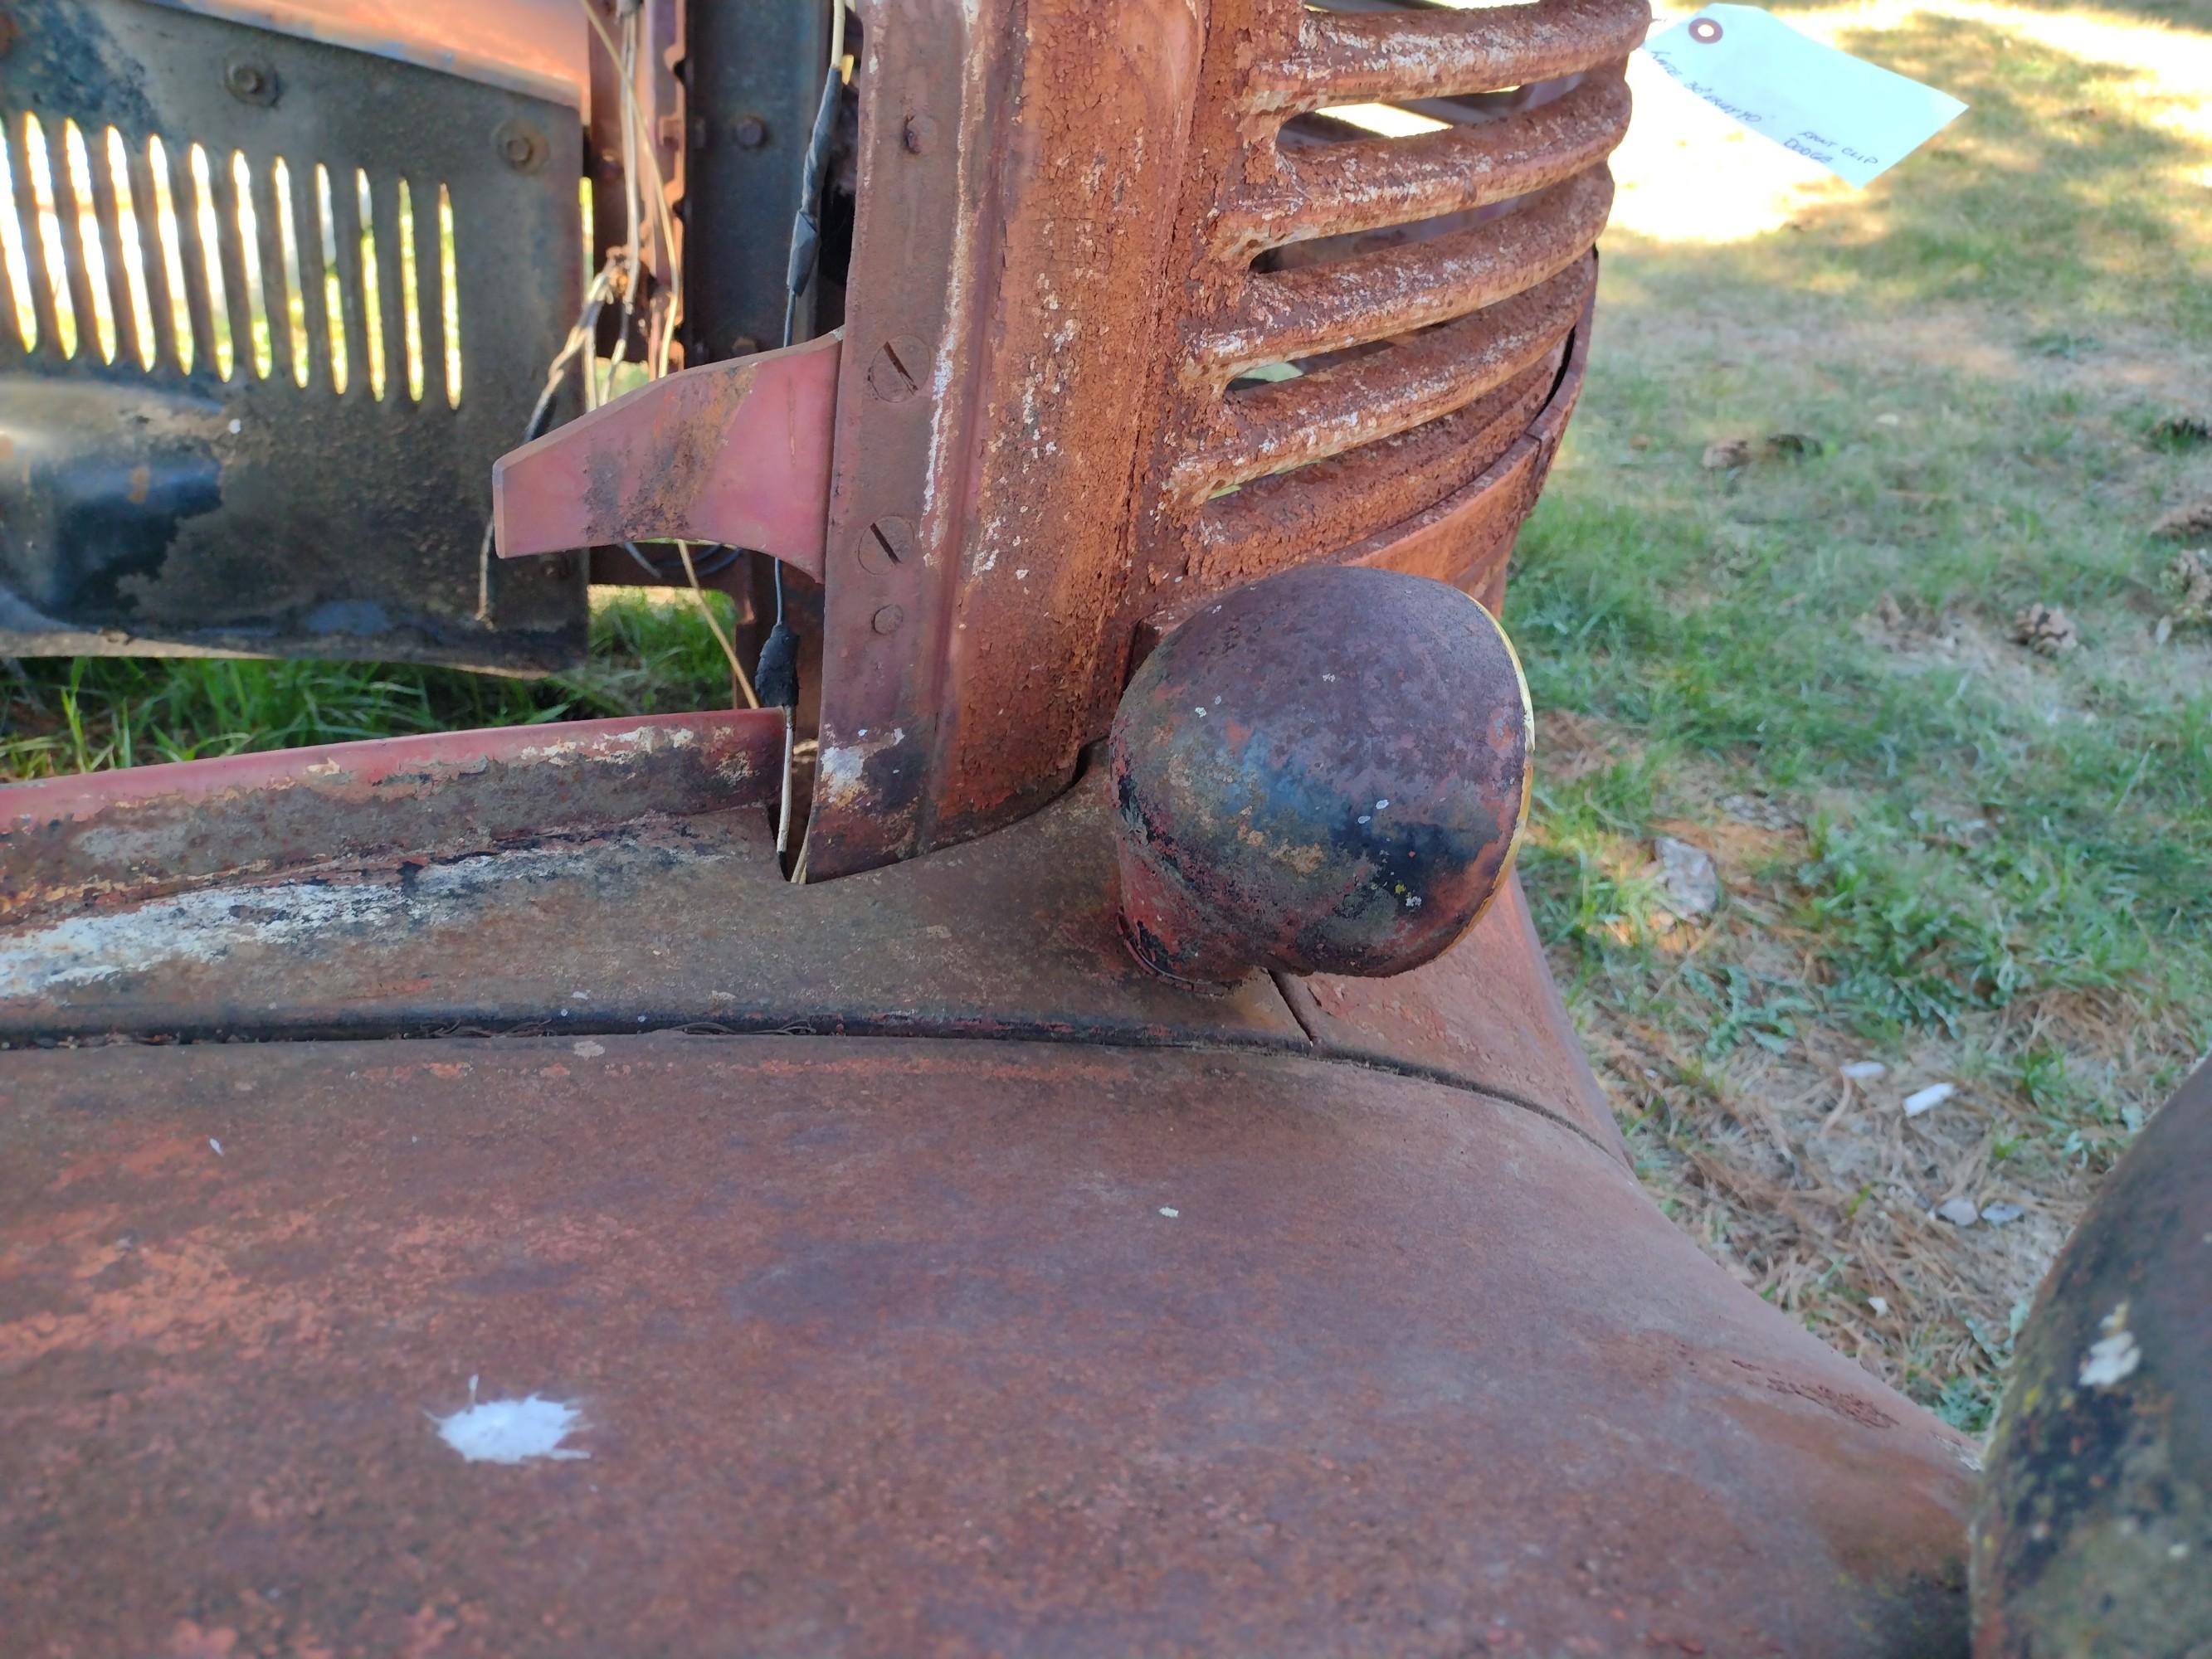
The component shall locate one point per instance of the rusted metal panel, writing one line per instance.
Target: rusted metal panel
(683, 918)
(1273, 522)
(154, 829)
(540, 47)
(1303, 313)
(734, 453)
(1474, 236)
(971, 650)
(889, 1347)
(1487, 1009)
(1288, 423)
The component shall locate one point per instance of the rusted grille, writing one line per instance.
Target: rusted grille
(1408, 298)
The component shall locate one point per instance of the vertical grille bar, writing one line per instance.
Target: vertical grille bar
(430, 294)
(345, 233)
(147, 210)
(184, 197)
(70, 212)
(230, 242)
(307, 233)
(385, 194)
(34, 246)
(109, 217)
(276, 284)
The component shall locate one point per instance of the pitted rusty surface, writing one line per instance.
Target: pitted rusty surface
(1271, 523)
(152, 829)
(1364, 182)
(902, 1347)
(1288, 799)
(1450, 262)
(1428, 53)
(1303, 313)
(1485, 1008)
(1289, 423)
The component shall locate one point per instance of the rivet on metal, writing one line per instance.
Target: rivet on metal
(520, 144)
(251, 82)
(887, 619)
(895, 375)
(884, 544)
(748, 132)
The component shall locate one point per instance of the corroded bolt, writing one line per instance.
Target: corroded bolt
(884, 544)
(251, 83)
(521, 145)
(750, 132)
(887, 619)
(895, 374)
(919, 133)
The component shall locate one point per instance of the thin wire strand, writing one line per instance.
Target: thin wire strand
(691, 574)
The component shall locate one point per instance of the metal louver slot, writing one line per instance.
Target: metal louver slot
(160, 255)
(273, 306)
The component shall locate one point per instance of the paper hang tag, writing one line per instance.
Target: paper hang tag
(1855, 118)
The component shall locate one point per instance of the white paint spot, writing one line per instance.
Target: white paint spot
(1021, 574)
(579, 996)
(1927, 1099)
(238, 426)
(587, 1048)
(2113, 1357)
(1330, 679)
(1380, 805)
(1169, 1211)
(1367, 817)
(511, 1430)
(1413, 901)
(1201, 712)
(218, 1144)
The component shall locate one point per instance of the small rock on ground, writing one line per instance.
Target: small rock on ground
(1687, 873)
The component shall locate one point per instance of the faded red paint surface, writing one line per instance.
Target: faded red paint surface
(735, 452)
(888, 1347)
(152, 830)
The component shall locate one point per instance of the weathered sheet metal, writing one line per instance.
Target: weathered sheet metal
(730, 453)
(891, 1346)
(156, 830)
(681, 919)
(623, 880)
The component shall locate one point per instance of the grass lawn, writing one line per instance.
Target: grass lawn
(1937, 849)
